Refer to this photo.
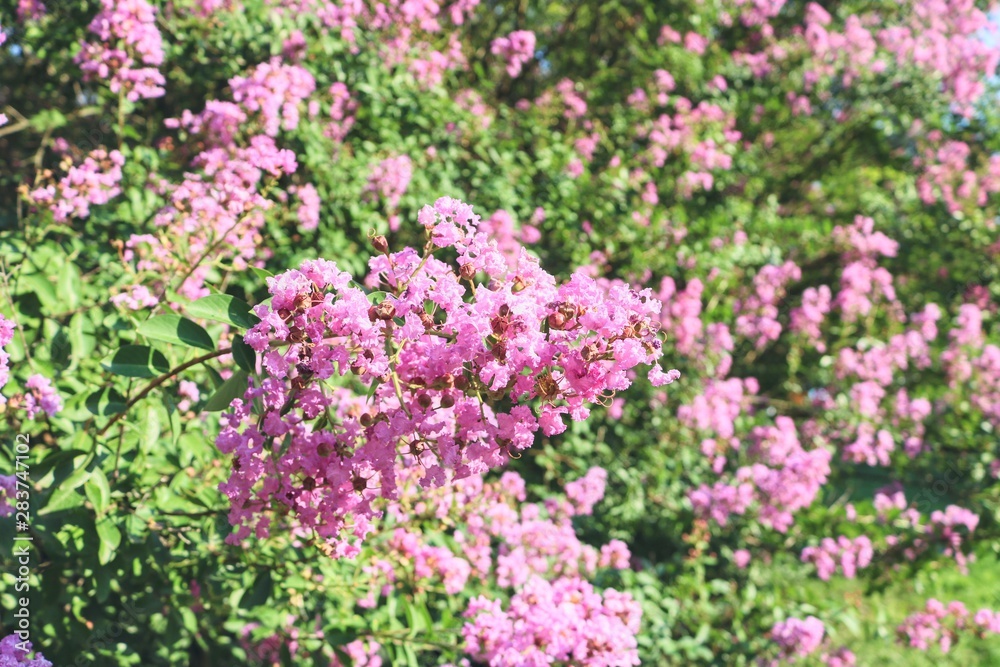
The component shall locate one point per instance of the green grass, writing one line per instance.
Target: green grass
(868, 623)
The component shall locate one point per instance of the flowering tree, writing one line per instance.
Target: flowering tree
(341, 331)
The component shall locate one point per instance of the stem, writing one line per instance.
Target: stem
(160, 380)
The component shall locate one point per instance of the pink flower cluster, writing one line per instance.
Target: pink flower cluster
(718, 406)
(563, 622)
(527, 547)
(342, 112)
(268, 650)
(757, 314)
(275, 91)
(509, 237)
(6, 336)
(797, 638)
(709, 346)
(945, 37)
(309, 205)
(751, 12)
(41, 397)
(130, 49)
(940, 37)
(497, 536)
(809, 317)
(948, 176)
(946, 527)
(218, 209)
(17, 653)
(389, 180)
(705, 133)
(973, 365)
(362, 652)
(189, 395)
(29, 10)
(564, 94)
(851, 554)
(93, 182)
(437, 365)
(862, 281)
(943, 625)
(516, 49)
(782, 478)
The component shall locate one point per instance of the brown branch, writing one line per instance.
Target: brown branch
(160, 380)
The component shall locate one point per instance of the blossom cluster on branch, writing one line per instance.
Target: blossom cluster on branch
(464, 361)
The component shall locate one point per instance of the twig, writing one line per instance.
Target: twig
(160, 380)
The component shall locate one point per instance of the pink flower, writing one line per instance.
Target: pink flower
(517, 48)
(128, 37)
(797, 638)
(41, 397)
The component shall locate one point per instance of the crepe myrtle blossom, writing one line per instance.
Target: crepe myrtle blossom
(129, 49)
(6, 336)
(516, 49)
(942, 625)
(41, 397)
(93, 182)
(546, 623)
(15, 653)
(797, 638)
(464, 363)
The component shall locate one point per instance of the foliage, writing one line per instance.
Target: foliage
(810, 190)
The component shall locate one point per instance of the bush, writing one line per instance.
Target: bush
(277, 395)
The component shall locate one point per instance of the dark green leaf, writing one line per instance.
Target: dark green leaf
(98, 491)
(110, 537)
(223, 308)
(105, 402)
(244, 355)
(137, 361)
(232, 388)
(176, 329)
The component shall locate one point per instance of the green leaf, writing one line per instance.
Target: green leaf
(149, 427)
(98, 491)
(214, 377)
(110, 538)
(44, 289)
(232, 388)
(81, 335)
(244, 355)
(177, 329)
(262, 273)
(375, 298)
(223, 308)
(70, 283)
(137, 361)
(106, 402)
(65, 496)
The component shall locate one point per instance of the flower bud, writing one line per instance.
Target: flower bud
(384, 311)
(380, 243)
